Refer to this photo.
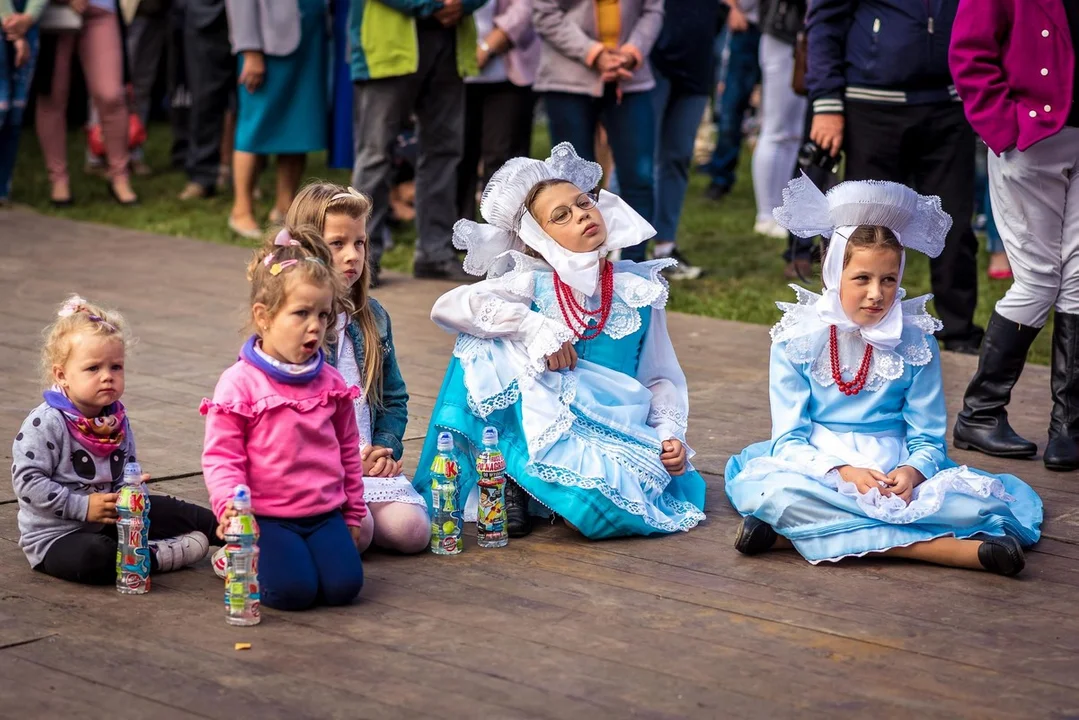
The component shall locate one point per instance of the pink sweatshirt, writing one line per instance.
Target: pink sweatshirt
(296, 446)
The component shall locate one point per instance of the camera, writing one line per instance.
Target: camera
(812, 155)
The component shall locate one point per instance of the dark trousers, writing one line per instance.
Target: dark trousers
(739, 75)
(930, 148)
(307, 561)
(89, 556)
(211, 80)
(498, 126)
(437, 94)
(631, 133)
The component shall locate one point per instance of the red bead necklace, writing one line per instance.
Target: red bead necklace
(854, 386)
(575, 314)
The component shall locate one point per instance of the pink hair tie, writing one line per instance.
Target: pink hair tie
(284, 239)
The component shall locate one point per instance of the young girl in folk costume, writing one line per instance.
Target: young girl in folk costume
(282, 422)
(69, 456)
(857, 462)
(365, 356)
(567, 355)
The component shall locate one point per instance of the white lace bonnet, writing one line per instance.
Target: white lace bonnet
(918, 221)
(502, 205)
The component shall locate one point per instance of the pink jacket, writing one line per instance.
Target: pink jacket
(296, 446)
(514, 17)
(1013, 65)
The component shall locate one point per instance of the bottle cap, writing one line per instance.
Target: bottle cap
(241, 497)
(445, 442)
(490, 436)
(132, 473)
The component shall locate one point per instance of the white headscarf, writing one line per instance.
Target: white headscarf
(917, 221)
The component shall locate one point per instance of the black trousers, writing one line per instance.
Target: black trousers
(498, 126)
(210, 72)
(89, 557)
(930, 148)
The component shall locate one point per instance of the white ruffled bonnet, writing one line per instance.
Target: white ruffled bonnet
(502, 205)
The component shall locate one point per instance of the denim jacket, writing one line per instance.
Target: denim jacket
(390, 417)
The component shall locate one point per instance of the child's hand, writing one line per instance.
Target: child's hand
(378, 461)
(357, 536)
(903, 481)
(102, 508)
(223, 521)
(865, 479)
(565, 358)
(674, 456)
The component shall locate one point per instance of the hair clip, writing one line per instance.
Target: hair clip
(276, 268)
(76, 304)
(284, 239)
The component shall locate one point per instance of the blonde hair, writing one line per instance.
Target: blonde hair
(304, 258)
(77, 316)
(311, 206)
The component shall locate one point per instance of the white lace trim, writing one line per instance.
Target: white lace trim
(391, 489)
(561, 424)
(806, 337)
(669, 413)
(485, 318)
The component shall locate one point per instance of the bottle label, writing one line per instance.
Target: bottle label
(133, 541)
(491, 513)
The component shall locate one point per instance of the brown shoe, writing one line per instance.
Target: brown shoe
(193, 191)
(799, 269)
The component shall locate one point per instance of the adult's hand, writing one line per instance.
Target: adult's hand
(16, 25)
(254, 72)
(737, 21)
(827, 131)
(79, 6)
(450, 15)
(22, 52)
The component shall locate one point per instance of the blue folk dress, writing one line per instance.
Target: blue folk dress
(899, 418)
(585, 444)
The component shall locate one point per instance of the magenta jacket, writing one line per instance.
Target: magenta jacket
(1013, 65)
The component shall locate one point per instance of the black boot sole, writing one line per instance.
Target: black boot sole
(1010, 454)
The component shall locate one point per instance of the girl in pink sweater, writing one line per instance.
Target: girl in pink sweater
(282, 422)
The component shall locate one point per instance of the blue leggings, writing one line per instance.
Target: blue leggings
(308, 561)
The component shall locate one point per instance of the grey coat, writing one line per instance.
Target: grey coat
(270, 26)
(567, 29)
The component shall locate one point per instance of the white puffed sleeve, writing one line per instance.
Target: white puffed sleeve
(489, 310)
(659, 371)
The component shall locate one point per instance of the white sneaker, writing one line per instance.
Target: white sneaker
(179, 552)
(220, 563)
(770, 228)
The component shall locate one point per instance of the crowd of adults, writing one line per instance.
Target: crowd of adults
(886, 89)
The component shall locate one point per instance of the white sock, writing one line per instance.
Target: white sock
(663, 249)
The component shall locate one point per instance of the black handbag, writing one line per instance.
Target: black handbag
(783, 19)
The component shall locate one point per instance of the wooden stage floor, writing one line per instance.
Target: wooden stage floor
(553, 626)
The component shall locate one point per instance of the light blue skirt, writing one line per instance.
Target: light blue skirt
(824, 523)
(603, 476)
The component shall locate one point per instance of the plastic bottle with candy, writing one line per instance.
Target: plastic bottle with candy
(133, 534)
(446, 519)
(491, 514)
(242, 551)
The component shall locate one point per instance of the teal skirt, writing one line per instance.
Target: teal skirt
(288, 113)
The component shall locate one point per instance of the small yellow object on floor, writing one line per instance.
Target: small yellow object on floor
(242, 646)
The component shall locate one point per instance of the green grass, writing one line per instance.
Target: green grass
(743, 271)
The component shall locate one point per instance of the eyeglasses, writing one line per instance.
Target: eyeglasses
(563, 213)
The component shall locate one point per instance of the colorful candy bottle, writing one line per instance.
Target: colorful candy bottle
(242, 551)
(446, 518)
(133, 534)
(491, 513)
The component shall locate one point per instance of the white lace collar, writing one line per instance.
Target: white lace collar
(636, 285)
(806, 337)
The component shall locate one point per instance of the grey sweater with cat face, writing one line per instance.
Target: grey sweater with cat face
(54, 477)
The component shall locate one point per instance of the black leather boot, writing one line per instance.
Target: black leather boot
(1002, 555)
(518, 521)
(1062, 452)
(982, 425)
(754, 536)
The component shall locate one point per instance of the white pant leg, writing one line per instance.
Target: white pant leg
(1068, 298)
(1028, 192)
(782, 123)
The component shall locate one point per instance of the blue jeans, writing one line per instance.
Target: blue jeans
(308, 561)
(630, 128)
(14, 90)
(740, 74)
(677, 118)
